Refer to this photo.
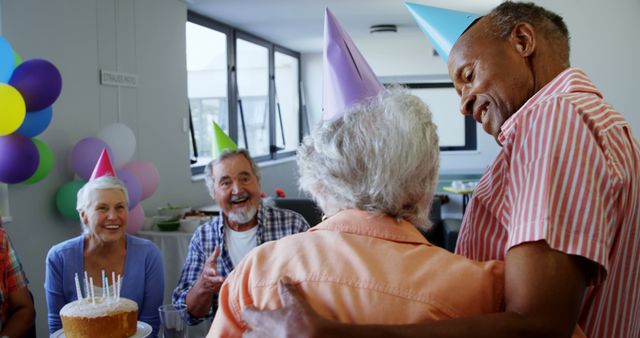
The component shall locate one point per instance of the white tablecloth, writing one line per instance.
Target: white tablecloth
(173, 246)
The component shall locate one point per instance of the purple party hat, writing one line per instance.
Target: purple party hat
(347, 77)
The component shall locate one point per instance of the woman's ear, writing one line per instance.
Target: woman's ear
(83, 217)
(523, 38)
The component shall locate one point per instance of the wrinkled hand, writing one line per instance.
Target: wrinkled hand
(297, 319)
(209, 278)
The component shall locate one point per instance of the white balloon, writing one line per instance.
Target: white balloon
(122, 142)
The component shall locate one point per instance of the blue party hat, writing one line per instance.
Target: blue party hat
(442, 26)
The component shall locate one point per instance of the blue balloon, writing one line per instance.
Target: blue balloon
(7, 61)
(35, 122)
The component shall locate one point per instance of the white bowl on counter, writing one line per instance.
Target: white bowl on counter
(190, 224)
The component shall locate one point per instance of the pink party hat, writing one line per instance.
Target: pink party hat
(103, 167)
(442, 26)
(348, 78)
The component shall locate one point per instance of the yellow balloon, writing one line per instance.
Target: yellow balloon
(12, 109)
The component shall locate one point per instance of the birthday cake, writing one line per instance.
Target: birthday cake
(100, 317)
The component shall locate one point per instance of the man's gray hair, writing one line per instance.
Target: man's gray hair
(209, 180)
(505, 16)
(83, 202)
(382, 156)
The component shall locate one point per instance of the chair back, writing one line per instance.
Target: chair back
(304, 206)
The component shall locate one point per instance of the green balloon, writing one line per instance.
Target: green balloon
(45, 164)
(66, 199)
(17, 60)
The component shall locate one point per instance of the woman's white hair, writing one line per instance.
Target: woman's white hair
(382, 156)
(83, 202)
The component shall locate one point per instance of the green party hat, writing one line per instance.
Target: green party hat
(221, 141)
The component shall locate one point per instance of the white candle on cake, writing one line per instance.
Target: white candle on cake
(93, 299)
(104, 293)
(113, 283)
(119, 286)
(78, 291)
(87, 292)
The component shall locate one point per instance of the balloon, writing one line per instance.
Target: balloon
(17, 59)
(134, 188)
(45, 163)
(12, 109)
(6, 60)
(147, 174)
(85, 154)
(121, 140)
(18, 158)
(136, 220)
(39, 82)
(35, 122)
(66, 199)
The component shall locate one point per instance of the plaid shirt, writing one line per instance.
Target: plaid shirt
(273, 224)
(13, 277)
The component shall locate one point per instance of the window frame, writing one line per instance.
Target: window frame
(232, 35)
(470, 132)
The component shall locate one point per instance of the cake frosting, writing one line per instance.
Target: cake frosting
(102, 306)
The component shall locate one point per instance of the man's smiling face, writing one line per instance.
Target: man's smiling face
(236, 189)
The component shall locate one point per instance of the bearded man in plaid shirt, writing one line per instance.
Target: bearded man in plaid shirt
(233, 181)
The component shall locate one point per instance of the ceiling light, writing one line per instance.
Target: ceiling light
(383, 29)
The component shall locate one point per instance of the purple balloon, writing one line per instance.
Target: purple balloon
(39, 82)
(134, 188)
(85, 155)
(19, 158)
(148, 175)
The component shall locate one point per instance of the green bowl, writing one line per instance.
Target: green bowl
(168, 225)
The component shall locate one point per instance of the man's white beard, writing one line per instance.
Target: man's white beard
(242, 216)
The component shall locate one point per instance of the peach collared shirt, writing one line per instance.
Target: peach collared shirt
(360, 267)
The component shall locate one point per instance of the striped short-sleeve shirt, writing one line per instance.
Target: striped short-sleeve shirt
(568, 173)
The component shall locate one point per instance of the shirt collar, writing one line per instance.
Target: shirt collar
(570, 80)
(371, 224)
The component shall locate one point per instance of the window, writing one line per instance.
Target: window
(287, 101)
(206, 87)
(253, 97)
(455, 131)
(248, 85)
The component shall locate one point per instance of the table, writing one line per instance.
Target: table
(466, 195)
(173, 246)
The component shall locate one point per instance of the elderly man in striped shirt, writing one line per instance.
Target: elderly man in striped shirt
(560, 204)
(233, 180)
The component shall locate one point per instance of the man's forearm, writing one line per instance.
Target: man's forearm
(499, 325)
(19, 323)
(199, 301)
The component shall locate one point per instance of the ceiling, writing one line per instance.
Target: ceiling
(298, 24)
